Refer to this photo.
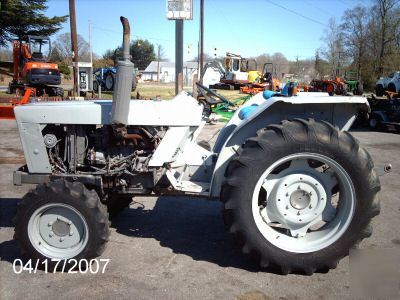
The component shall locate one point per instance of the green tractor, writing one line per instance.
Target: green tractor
(354, 85)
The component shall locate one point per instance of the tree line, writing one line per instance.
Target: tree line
(366, 40)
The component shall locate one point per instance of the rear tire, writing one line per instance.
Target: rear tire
(60, 92)
(359, 89)
(392, 88)
(331, 89)
(379, 90)
(109, 81)
(276, 143)
(61, 220)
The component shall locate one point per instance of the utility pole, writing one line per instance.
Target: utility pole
(178, 56)
(201, 55)
(90, 42)
(338, 63)
(74, 44)
(158, 61)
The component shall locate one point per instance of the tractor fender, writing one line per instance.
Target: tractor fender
(268, 108)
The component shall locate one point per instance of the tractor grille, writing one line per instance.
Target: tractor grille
(45, 72)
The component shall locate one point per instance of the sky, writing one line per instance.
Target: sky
(248, 28)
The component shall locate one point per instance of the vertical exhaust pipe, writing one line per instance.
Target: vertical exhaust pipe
(124, 78)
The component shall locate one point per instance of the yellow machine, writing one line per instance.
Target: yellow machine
(235, 72)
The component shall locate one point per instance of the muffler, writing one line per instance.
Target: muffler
(124, 78)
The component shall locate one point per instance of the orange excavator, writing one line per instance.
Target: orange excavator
(32, 68)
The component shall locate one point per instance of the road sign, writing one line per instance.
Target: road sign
(180, 9)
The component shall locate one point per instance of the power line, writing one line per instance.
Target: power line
(95, 26)
(296, 13)
(319, 8)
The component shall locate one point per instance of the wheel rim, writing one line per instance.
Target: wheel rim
(372, 123)
(58, 231)
(109, 82)
(303, 202)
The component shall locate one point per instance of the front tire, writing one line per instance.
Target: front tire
(61, 220)
(374, 122)
(95, 86)
(281, 186)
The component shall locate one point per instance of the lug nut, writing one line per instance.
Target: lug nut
(61, 239)
(51, 234)
(298, 213)
(287, 207)
(310, 206)
(69, 222)
(71, 233)
(50, 224)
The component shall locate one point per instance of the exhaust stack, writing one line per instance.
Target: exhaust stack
(124, 78)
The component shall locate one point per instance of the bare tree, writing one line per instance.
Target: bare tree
(160, 57)
(388, 23)
(63, 45)
(354, 26)
(333, 48)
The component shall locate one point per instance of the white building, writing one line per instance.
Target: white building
(167, 72)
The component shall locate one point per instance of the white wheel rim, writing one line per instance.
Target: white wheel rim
(58, 230)
(109, 81)
(299, 198)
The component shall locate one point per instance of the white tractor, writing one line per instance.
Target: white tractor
(390, 84)
(236, 72)
(298, 189)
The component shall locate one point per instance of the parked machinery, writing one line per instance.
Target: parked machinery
(338, 86)
(385, 114)
(32, 69)
(353, 82)
(297, 192)
(390, 84)
(236, 72)
(105, 78)
(266, 81)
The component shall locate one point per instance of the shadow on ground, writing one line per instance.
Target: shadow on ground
(8, 249)
(187, 226)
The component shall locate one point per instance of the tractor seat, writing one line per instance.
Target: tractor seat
(37, 56)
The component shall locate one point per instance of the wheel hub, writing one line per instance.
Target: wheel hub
(296, 202)
(300, 199)
(61, 228)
